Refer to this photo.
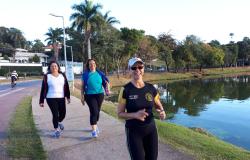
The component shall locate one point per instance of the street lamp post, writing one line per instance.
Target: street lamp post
(71, 50)
(64, 41)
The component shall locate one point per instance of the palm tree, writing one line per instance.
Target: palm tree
(110, 20)
(54, 37)
(231, 36)
(84, 18)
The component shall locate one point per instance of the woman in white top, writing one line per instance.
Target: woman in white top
(55, 89)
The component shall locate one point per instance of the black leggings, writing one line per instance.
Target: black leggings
(58, 109)
(142, 142)
(94, 102)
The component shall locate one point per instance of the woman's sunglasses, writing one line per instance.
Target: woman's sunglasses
(134, 68)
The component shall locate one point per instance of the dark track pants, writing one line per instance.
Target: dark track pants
(58, 109)
(142, 142)
(94, 102)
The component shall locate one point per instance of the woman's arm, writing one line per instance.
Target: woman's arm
(67, 90)
(82, 93)
(43, 91)
(140, 115)
(159, 108)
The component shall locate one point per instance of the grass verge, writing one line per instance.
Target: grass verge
(203, 147)
(23, 139)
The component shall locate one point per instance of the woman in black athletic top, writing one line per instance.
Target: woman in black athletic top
(136, 101)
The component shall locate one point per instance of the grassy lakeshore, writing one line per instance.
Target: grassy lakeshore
(23, 139)
(200, 145)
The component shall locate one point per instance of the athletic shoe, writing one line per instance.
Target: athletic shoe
(94, 134)
(61, 126)
(56, 134)
(97, 130)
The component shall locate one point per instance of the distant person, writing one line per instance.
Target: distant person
(55, 89)
(14, 77)
(135, 104)
(94, 83)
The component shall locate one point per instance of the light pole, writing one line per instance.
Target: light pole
(64, 41)
(71, 50)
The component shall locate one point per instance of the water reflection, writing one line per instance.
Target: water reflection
(195, 95)
(221, 106)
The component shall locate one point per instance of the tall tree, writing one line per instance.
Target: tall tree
(106, 37)
(167, 40)
(28, 45)
(76, 39)
(231, 54)
(190, 47)
(214, 43)
(147, 48)
(167, 45)
(84, 19)
(165, 54)
(132, 37)
(54, 38)
(17, 40)
(244, 50)
(231, 36)
(38, 46)
(110, 20)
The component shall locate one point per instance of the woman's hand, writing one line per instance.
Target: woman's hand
(41, 105)
(82, 100)
(141, 115)
(162, 114)
(68, 99)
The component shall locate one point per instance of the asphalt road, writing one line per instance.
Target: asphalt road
(9, 99)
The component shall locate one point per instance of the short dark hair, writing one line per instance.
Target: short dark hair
(59, 69)
(87, 63)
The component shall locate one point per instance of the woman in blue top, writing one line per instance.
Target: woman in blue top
(93, 82)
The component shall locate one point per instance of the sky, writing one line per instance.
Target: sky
(206, 19)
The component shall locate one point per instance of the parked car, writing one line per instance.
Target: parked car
(161, 69)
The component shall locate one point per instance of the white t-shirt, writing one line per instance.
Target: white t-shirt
(55, 86)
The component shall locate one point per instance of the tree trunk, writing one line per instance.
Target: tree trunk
(83, 57)
(56, 50)
(118, 69)
(106, 67)
(87, 42)
(168, 68)
(89, 49)
(222, 67)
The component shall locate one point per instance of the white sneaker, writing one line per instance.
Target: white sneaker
(97, 130)
(56, 134)
(94, 134)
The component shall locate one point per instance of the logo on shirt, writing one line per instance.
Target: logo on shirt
(133, 97)
(149, 97)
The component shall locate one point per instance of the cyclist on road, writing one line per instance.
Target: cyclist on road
(14, 77)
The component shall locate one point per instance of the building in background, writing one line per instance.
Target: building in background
(23, 56)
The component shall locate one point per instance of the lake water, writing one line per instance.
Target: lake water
(221, 106)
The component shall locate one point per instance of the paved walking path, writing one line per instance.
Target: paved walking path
(76, 143)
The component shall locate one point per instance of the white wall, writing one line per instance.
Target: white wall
(20, 64)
